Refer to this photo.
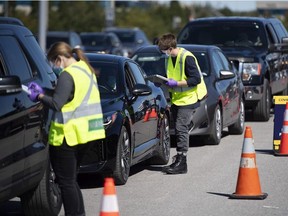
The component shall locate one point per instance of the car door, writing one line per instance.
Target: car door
(225, 86)
(233, 90)
(12, 134)
(142, 106)
(22, 147)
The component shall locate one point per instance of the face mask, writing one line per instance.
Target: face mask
(57, 70)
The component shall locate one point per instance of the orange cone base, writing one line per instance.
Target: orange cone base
(260, 197)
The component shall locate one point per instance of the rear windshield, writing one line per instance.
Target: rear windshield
(126, 36)
(94, 40)
(224, 34)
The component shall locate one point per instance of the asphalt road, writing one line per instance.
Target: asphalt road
(203, 191)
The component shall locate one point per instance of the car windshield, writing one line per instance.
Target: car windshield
(94, 40)
(109, 79)
(126, 36)
(154, 63)
(53, 39)
(225, 34)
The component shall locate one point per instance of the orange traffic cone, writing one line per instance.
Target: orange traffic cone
(283, 151)
(248, 183)
(109, 204)
(153, 113)
(146, 116)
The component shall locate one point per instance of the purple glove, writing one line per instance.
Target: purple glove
(171, 83)
(35, 90)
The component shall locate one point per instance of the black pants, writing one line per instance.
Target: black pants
(65, 160)
(182, 117)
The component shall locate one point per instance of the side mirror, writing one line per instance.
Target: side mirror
(10, 85)
(226, 74)
(141, 90)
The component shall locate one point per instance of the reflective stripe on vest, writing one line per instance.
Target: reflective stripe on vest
(84, 109)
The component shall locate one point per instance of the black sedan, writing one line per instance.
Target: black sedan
(224, 106)
(136, 119)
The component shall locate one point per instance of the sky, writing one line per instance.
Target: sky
(231, 4)
(241, 5)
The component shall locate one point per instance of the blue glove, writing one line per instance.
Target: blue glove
(35, 90)
(171, 83)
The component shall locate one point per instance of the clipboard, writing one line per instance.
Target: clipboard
(156, 78)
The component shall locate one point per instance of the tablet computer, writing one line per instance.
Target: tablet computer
(156, 78)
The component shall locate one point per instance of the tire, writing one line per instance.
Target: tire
(216, 131)
(45, 199)
(238, 126)
(123, 158)
(163, 155)
(262, 110)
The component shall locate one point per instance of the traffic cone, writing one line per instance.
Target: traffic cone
(283, 150)
(153, 113)
(109, 204)
(248, 183)
(146, 116)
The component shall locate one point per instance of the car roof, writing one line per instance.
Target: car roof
(232, 19)
(192, 47)
(113, 29)
(97, 33)
(60, 33)
(105, 57)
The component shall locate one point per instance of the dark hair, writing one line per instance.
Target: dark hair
(64, 49)
(167, 41)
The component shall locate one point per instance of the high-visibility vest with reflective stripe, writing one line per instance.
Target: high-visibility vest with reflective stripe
(184, 95)
(81, 119)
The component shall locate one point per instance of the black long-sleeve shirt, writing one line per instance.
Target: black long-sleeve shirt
(191, 71)
(64, 92)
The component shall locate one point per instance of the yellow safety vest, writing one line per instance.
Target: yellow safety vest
(81, 119)
(182, 96)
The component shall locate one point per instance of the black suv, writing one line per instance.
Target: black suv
(25, 170)
(257, 46)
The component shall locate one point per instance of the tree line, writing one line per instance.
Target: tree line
(89, 16)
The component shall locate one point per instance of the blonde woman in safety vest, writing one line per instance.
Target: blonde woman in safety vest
(186, 86)
(76, 121)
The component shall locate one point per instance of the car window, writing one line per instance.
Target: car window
(129, 79)
(8, 47)
(93, 40)
(226, 63)
(126, 36)
(53, 39)
(137, 73)
(152, 63)
(203, 62)
(2, 72)
(108, 79)
(217, 63)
